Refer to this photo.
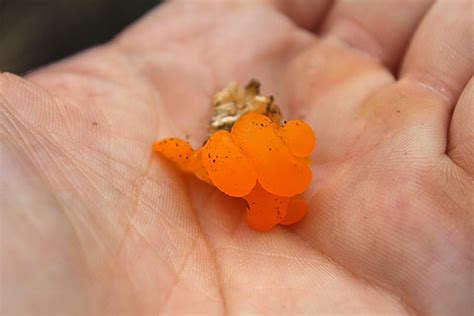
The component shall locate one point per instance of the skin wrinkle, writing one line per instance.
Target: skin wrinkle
(432, 86)
(139, 182)
(212, 252)
(261, 253)
(153, 247)
(86, 208)
(446, 164)
(63, 118)
(178, 274)
(167, 220)
(92, 170)
(59, 149)
(34, 136)
(26, 149)
(113, 159)
(464, 171)
(461, 144)
(235, 229)
(461, 141)
(409, 309)
(79, 167)
(89, 275)
(160, 214)
(80, 164)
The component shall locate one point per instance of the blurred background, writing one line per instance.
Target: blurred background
(37, 32)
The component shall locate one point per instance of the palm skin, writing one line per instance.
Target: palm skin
(94, 222)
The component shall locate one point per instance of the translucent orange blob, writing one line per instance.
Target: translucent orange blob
(265, 210)
(176, 150)
(196, 166)
(227, 166)
(181, 153)
(299, 137)
(266, 164)
(295, 212)
(278, 170)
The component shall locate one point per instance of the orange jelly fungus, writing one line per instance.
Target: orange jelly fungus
(259, 160)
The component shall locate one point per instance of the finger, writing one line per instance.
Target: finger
(439, 62)
(381, 29)
(461, 133)
(304, 13)
(440, 55)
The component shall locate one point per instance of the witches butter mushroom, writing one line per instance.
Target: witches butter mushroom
(249, 154)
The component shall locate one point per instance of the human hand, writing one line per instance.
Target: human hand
(94, 222)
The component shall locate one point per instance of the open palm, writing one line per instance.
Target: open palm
(92, 221)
